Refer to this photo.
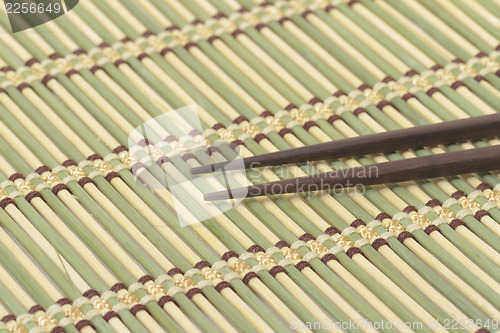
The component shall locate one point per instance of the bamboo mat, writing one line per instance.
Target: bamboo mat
(84, 247)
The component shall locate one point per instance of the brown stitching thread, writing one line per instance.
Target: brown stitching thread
(480, 214)
(404, 236)
(8, 318)
(137, 308)
(60, 187)
(118, 286)
(85, 180)
(382, 216)
(410, 209)
(91, 293)
(306, 237)
(256, 248)
(171, 272)
(281, 244)
(202, 264)
(356, 223)
(430, 229)
(228, 255)
(7, 201)
(193, 291)
(328, 257)
(248, 276)
(302, 264)
(222, 285)
(164, 300)
(455, 223)
(433, 203)
(484, 186)
(64, 301)
(110, 315)
(332, 231)
(378, 243)
(458, 194)
(33, 194)
(351, 252)
(276, 270)
(83, 323)
(35, 308)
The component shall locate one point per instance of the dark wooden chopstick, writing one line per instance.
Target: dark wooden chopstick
(415, 137)
(432, 166)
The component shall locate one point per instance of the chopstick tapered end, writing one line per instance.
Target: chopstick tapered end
(238, 193)
(221, 166)
(221, 195)
(201, 169)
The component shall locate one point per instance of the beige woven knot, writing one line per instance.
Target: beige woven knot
(251, 18)
(76, 172)
(421, 82)
(14, 327)
(490, 63)
(348, 101)
(444, 212)
(102, 166)
(178, 147)
(14, 77)
(155, 289)
(446, 76)
(45, 320)
(50, 179)
(374, 96)
(300, 116)
(321, 3)
(470, 204)
(467, 69)
(318, 248)
(127, 297)
(73, 313)
(38, 70)
(226, 135)
(239, 266)
(100, 304)
(420, 219)
(274, 12)
(367, 233)
(291, 254)
(63, 65)
(393, 226)
(275, 123)
(111, 54)
(86, 60)
(156, 42)
(183, 281)
(342, 241)
(227, 24)
(155, 152)
(298, 5)
(493, 196)
(211, 274)
(265, 259)
(23, 186)
(204, 30)
(180, 37)
(201, 140)
(127, 159)
(250, 129)
(324, 109)
(133, 48)
(397, 87)
(3, 194)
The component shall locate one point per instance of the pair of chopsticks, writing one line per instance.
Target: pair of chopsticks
(440, 165)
